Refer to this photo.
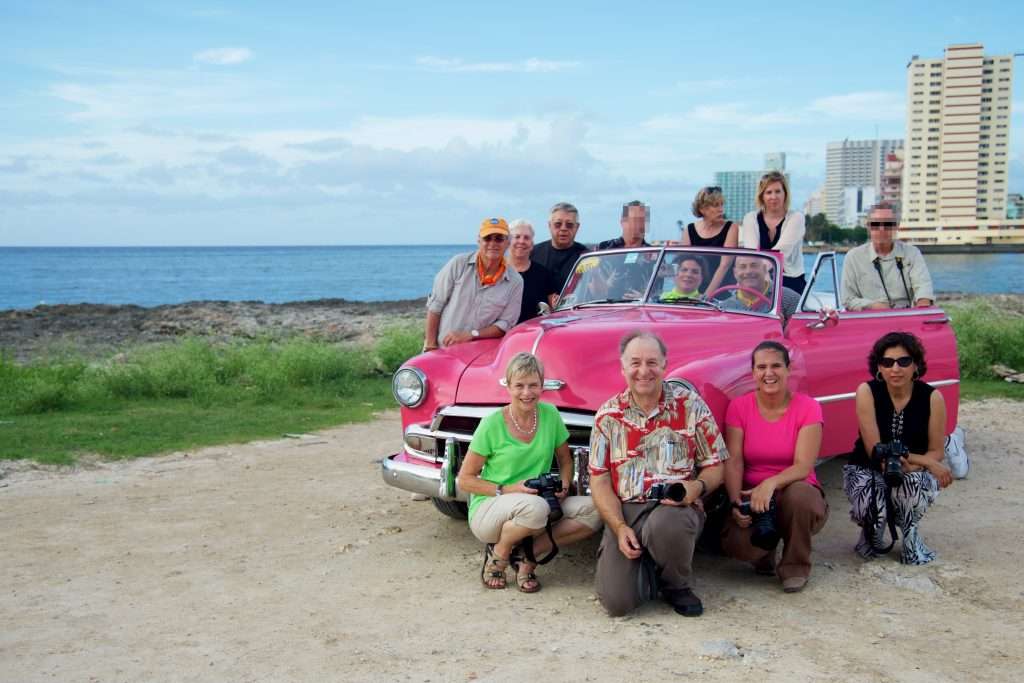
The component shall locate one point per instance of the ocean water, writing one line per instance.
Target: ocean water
(149, 276)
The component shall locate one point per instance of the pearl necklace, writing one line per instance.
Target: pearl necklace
(515, 424)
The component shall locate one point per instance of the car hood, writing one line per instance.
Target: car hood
(580, 350)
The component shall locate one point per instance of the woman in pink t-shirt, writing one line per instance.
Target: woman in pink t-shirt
(774, 437)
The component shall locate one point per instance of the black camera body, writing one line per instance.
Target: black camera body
(764, 531)
(890, 458)
(547, 485)
(674, 491)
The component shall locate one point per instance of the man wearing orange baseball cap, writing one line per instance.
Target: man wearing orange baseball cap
(476, 295)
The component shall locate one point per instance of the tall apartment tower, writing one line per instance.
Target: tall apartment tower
(739, 188)
(853, 163)
(957, 151)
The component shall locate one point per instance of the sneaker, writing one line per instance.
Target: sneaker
(794, 584)
(683, 601)
(956, 454)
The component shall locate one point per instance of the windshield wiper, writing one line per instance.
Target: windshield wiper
(694, 300)
(594, 302)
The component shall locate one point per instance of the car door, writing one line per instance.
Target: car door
(832, 346)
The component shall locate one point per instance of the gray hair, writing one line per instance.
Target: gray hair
(565, 206)
(522, 364)
(520, 223)
(642, 334)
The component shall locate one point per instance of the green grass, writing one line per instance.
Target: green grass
(986, 335)
(977, 389)
(190, 394)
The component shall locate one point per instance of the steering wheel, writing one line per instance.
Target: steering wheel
(752, 292)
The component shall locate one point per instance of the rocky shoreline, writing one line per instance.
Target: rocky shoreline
(95, 330)
(98, 329)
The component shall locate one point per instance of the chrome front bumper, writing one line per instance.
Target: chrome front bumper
(419, 477)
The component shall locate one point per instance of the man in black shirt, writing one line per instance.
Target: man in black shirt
(559, 254)
(634, 227)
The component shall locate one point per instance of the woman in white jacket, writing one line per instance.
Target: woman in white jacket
(774, 227)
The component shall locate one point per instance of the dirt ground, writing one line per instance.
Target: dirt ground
(292, 561)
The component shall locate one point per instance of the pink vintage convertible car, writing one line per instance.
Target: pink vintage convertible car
(445, 393)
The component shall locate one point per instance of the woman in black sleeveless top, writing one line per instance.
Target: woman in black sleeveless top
(712, 230)
(896, 407)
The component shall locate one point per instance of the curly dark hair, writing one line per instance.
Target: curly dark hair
(913, 345)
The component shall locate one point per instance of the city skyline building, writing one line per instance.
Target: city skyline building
(1015, 206)
(739, 188)
(815, 203)
(856, 164)
(892, 181)
(957, 149)
(856, 202)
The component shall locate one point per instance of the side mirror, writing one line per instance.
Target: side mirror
(543, 308)
(827, 317)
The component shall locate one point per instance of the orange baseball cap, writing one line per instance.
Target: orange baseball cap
(494, 226)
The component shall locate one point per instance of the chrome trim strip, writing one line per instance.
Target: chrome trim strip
(832, 398)
(863, 315)
(571, 418)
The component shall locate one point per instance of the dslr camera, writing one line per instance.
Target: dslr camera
(764, 532)
(674, 491)
(547, 485)
(889, 457)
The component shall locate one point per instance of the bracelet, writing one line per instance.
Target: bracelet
(703, 486)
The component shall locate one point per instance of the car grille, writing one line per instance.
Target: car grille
(459, 423)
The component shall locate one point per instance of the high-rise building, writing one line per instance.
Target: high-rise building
(815, 204)
(957, 152)
(892, 180)
(856, 202)
(853, 163)
(739, 188)
(775, 161)
(1015, 206)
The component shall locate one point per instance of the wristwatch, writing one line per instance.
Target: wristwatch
(497, 490)
(474, 333)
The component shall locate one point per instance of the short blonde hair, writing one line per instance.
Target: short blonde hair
(766, 180)
(707, 196)
(522, 364)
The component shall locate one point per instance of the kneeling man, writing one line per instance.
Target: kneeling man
(651, 434)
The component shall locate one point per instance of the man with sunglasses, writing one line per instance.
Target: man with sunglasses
(476, 295)
(559, 254)
(885, 272)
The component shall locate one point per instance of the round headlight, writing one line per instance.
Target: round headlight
(680, 382)
(409, 385)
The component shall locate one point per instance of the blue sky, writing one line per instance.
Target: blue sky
(179, 123)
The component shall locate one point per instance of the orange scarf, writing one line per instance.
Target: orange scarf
(485, 279)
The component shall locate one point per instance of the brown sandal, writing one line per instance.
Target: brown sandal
(492, 574)
(527, 580)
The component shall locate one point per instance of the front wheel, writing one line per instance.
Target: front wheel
(452, 508)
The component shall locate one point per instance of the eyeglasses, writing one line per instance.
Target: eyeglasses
(494, 238)
(902, 361)
(569, 225)
(881, 225)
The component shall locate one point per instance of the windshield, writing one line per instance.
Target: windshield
(681, 276)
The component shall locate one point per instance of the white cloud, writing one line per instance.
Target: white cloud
(860, 106)
(223, 56)
(532, 65)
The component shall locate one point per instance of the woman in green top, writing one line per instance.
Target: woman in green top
(510, 446)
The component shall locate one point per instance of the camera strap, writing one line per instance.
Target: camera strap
(878, 268)
(527, 545)
(890, 514)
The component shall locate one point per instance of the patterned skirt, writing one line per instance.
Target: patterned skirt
(866, 490)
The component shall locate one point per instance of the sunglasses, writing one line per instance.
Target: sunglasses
(881, 225)
(569, 225)
(494, 238)
(712, 189)
(902, 361)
